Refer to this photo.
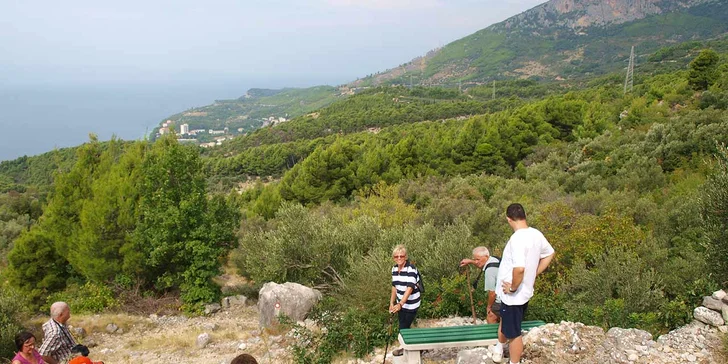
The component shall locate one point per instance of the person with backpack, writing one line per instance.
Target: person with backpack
(405, 297)
(489, 266)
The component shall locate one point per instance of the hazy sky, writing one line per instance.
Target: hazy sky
(305, 42)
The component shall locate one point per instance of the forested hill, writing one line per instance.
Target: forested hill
(253, 110)
(629, 187)
(563, 39)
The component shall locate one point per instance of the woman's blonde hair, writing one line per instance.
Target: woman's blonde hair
(399, 248)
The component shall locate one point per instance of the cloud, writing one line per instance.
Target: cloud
(386, 4)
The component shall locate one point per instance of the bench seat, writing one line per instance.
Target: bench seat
(415, 340)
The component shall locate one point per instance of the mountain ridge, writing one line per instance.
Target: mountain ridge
(561, 39)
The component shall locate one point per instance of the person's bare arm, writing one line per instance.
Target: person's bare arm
(491, 299)
(466, 261)
(518, 273)
(392, 298)
(543, 263)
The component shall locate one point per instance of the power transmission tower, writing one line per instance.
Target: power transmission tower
(629, 80)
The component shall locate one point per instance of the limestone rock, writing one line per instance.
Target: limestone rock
(719, 295)
(111, 328)
(724, 312)
(474, 356)
(202, 340)
(566, 342)
(712, 303)
(708, 316)
(290, 299)
(78, 331)
(238, 300)
(212, 308)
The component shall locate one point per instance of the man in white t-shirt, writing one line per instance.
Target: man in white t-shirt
(526, 255)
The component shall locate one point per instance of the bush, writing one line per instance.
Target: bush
(88, 298)
(12, 309)
(715, 216)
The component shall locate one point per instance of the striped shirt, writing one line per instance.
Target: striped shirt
(403, 279)
(57, 341)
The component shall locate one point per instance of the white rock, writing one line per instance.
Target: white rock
(633, 357)
(718, 295)
(723, 329)
(724, 312)
(708, 316)
(202, 340)
(111, 328)
(242, 346)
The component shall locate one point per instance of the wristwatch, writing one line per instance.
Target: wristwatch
(512, 290)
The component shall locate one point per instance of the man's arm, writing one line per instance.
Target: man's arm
(466, 261)
(50, 344)
(518, 273)
(491, 299)
(543, 263)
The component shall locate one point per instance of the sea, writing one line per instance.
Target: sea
(38, 118)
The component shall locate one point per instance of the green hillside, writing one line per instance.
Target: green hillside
(629, 188)
(250, 111)
(548, 45)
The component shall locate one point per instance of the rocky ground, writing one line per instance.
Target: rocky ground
(232, 328)
(220, 336)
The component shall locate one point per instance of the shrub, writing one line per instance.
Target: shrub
(87, 298)
(715, 216)
(12, 309)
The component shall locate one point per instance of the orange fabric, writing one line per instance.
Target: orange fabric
(80, 360)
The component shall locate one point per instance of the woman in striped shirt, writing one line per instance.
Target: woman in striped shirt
(404, 288)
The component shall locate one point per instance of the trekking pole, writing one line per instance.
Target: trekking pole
(389, 337)
(470, 291)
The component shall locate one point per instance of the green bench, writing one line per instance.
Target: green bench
(415, 340)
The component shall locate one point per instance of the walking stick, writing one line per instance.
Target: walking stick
(470, 290)
(389, 337)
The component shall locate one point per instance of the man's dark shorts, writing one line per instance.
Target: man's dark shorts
(511, 318)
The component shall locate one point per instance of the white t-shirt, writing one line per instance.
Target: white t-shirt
(525, 248)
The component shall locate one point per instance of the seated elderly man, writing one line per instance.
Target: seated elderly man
(57, 340)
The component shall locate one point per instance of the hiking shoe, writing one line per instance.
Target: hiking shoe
(397, 352)
(497, 355)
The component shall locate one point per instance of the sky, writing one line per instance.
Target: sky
(277, 41)
(120, 67)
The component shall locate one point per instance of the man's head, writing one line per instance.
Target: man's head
(480, 256)
(244, 359)
(80, 350)
(61, 312)
(516, 215)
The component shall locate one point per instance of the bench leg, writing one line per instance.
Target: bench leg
(412, 357)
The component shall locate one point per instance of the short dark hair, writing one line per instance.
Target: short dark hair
(516, 212)
(244, 359)
(21, 338)
(80, 349)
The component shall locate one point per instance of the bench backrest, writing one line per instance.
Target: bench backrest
(432, 335)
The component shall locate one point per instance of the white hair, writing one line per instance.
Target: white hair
(481, 251)
(57, 308)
